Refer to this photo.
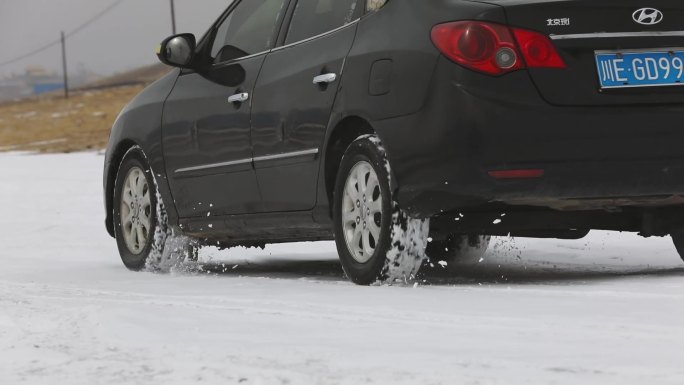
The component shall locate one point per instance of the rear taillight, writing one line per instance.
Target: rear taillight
(538, 50)
(484, 47)
(492, 48)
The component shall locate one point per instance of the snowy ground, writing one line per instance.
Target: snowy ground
(605, 310)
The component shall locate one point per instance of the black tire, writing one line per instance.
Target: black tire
(678, 240)
(457, 248)
(400, 248)
(158, 231)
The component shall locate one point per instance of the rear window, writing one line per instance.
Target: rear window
(314, 17)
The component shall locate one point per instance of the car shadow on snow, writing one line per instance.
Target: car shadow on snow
(513, 274)
(283, 268)
(468, 273)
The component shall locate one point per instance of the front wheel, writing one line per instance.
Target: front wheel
(376, 240)
(139, 221)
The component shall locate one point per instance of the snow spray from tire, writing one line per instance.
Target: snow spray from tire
(409, 236)
(169, 248)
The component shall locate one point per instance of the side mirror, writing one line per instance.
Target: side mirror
(178, 50)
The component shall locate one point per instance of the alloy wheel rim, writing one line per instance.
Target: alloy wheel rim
(136, 211)
(362, 211)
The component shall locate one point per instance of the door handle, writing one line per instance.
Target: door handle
(239, 98)
(325, 78)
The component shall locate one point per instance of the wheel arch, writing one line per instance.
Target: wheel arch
(116, 157)
(345, 132)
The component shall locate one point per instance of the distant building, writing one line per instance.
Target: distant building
(37, 80)
(42, 81)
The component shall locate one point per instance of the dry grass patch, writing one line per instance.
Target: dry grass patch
(54, 124)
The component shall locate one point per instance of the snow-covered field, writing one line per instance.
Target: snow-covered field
(608, 309)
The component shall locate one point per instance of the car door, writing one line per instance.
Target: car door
(293, 99)
(206, 122)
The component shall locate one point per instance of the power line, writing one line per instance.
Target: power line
(78, 29)
(94, 18)
(29, 54)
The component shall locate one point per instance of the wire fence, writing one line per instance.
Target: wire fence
(106, 41)
(67, 35)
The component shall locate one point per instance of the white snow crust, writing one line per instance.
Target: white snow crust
(608, 309)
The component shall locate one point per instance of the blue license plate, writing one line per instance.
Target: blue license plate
(640, 69)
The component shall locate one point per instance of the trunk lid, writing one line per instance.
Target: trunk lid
(580, 28)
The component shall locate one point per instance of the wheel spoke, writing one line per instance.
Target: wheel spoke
(146, 194)
(374, 230)
(140, 183)
(356, 240)
(351, 190)
(127, 218)
(127, 198)
(372, 185)
(126, 229)
(142, 239)
(146, 205)
(375, 206)
(366, 242)
(349, 217)
(145, 220)
(129, 235)
(361, 179)
(132, 183)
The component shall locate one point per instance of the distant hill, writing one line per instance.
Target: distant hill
(142, 75)
(50, 123)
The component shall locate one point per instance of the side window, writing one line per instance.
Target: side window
(374, 5)
(248, 29)
(314, 17)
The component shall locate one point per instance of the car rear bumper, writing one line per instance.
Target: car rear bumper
(591, 157)
(571, 186)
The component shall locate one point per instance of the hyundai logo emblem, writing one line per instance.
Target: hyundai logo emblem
(647, 16)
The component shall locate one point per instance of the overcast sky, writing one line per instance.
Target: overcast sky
(124, 38)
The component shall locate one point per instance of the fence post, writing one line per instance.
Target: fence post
(64, 68)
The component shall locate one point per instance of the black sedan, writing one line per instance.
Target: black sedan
(383, 124)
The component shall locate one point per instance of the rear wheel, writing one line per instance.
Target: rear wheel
(376, 240)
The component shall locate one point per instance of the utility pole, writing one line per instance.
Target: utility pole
(64, 68)
(173, 18)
